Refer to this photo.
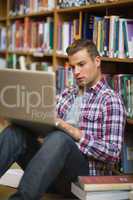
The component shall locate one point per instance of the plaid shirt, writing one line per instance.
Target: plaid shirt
(102, 121)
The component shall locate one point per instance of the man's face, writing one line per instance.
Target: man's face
(86, 70)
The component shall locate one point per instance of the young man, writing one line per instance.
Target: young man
(88, 141)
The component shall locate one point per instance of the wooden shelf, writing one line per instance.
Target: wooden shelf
(29, 53)
(36, 14)
(3, 51)
(2, 19)
(97, 6)
(47, 12)
(16, 17)
(61, 56)
(123, 60)
(104, 59)
(41, 54)
(18, 52)
(130, 121)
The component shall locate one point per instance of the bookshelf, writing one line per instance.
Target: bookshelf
(7, 17)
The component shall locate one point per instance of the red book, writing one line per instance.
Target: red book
(102, 183)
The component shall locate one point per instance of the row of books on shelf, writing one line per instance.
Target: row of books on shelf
(64, 75)
(118, 187)
(123, 85)
(20, 62)
(67, 32)
(112, 35)
(64, 78)
(70, 3)
(29, 34)
(3, 63)
(23, 7)
(73, 3)
(126, 164)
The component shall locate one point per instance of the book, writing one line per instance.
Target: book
(112, 35)
(102, 195)
(126, 48)
(3, 63)
(103, 183)
(2, 38)
(129, 28)
(88, 26)
(121, 53)
(11, 178)
(31, 35)
(130, 195)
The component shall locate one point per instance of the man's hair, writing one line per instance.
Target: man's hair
(80, 44)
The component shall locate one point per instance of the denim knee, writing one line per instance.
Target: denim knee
(15, 137)
(61, 136)
(59, 139)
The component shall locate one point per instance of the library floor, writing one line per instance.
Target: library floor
(5, 192)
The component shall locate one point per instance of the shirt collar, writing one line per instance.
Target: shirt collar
(97, 87)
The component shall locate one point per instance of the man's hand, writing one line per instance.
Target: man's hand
(72, 131)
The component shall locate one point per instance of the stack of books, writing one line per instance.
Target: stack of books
(103, 187)
(130, 196)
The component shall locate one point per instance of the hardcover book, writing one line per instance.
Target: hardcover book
(103, 183)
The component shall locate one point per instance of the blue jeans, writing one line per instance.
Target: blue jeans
(43, 165)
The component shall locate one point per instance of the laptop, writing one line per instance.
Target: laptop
(28, 98)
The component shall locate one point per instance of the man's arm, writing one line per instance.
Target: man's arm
(72, 131)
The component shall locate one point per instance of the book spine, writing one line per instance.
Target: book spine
(106, 35)
(126, 48)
